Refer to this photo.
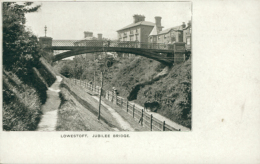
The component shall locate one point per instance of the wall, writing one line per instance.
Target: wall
(142, 31)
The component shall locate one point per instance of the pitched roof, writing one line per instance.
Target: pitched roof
(169, 29)
(146, 23)
(155, 30)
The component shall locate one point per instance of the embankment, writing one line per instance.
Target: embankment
(22, 100)
(138, 78)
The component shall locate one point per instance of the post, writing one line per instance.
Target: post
(151, 122)
(163, 126)
(127, 106)
(100, 95)
(134, 111)
(115, 98)
(142, 117)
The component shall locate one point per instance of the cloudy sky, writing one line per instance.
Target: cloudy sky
(68, 20)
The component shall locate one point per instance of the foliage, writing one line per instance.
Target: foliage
(20, 46)
(173, 92)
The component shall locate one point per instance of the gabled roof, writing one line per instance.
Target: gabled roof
(155, 30)
(169, 29)
(146, 23)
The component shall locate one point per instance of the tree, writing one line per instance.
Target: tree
(20, 46)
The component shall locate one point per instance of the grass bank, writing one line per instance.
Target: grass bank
(173, 91)
(22, 100)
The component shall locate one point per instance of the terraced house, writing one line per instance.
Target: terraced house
(171, 35)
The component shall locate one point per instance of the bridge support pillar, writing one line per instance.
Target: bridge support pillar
(179, 52)
(45, 42)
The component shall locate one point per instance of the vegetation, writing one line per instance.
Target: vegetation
(173, 92)
(25, 77)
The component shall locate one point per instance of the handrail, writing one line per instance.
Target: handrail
(108, 43)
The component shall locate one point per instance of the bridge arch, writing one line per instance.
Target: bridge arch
(84, 50)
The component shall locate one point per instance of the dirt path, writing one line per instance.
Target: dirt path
(167, 121)
(50, 108)
(124, 125)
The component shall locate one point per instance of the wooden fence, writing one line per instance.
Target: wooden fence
(137, 113)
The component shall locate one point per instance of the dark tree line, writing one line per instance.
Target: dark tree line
(20, 46)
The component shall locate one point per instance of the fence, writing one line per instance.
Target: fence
(105, 43)
(137, 113)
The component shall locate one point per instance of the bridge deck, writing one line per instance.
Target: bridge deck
(149, 50)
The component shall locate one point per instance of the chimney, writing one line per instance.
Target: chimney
(142, 18)
(88, 34)
(99, 36)
(136, 18)
(158, 21)
(183, 25)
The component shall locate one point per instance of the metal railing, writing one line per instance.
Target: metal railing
(108, 43)
(136, 112)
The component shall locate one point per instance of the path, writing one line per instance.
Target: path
(50, 108)
(162, 118)
(124, 125)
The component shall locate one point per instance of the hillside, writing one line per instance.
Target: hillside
(172, 91)
(26, 75)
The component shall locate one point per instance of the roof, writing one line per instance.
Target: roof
(154, 31)
(146, 23)
(169, 29)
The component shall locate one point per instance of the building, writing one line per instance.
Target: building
(187, 36)
(171, 35)
(137, 31)
(90, 40)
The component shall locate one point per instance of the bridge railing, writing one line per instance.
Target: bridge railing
(109, 43)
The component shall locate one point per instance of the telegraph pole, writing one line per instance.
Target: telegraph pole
(94, 69)
(100, 95)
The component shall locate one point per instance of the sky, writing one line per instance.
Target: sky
(69, 20)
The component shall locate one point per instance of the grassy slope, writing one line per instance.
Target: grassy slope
(21, 105)
(173, 91)
(22, 102)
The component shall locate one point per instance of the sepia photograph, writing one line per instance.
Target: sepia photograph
(130, 81)
(92, 66)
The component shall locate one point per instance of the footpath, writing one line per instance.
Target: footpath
(162, 118)
(50, 108)
(155, 115)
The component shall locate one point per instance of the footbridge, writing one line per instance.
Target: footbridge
(164, 53)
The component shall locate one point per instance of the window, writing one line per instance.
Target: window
(131, 38)
(131, 32)
(165, 36)
(158, 37)
(188, 41)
